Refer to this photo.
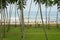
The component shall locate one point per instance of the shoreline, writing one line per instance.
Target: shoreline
(17, 23)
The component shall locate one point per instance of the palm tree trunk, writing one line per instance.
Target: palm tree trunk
(36, 17)
(29, 13)
(1, 33)
(43, 22)
(22, 21)
(15, 13)
(4, 16)
(49, 18)
(46, 16)
(9, 18)
(18, 17)
(57, 19)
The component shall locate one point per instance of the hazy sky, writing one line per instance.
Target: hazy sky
(34, 7)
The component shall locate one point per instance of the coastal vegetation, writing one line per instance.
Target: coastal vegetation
(22, 31)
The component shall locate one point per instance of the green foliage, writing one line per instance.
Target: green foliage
(39, 1)
(47, 2)
(12, 1)
(55, 2)
(19, 4)
(4, 3)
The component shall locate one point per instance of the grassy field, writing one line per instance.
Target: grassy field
(32, 34)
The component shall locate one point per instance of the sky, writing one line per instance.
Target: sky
(34, 8)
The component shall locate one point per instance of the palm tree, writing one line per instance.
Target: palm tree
(10, 2)
(29, 13)
(4, 16)
(56, 2)
(1, 35)
(39, 4)
(36, 17)
(50, 4)
(46, 2)
(2, 7)
(9, 15)
(57, 17)
(49, 18)
(15, 12)
(21, 4)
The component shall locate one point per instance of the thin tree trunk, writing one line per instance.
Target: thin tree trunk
(49, 18)
(46, 16)
(9, 18)
(22, 21)
(1, 22)
(4, 16)
(57, 19)
(43, 23)
(36, 17)
(29, 13)
(18, 17)
(15, 13)
(0, 25)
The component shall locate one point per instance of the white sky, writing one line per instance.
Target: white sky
(34, 7)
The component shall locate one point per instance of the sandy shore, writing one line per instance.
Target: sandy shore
(29, 23)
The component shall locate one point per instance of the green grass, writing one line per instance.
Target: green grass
(32, 34)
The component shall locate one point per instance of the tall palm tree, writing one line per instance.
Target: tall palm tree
(2, 7)
(21, 4)
(47, 3)
(29, 13)
(56, 2)
(49, 18)
(10, 2)
(9, 15)
(36, 17)
(4, 16)
(1, 35)
(15, 12)
(57, 16)
(50, 4)
(39, 4)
